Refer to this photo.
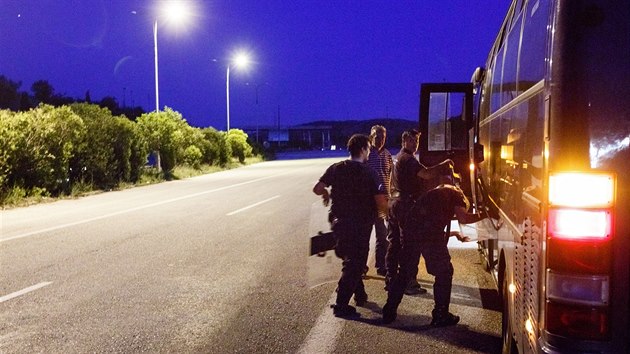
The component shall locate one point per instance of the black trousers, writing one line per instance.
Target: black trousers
(353, 245)
(438, 261)
(399, 208)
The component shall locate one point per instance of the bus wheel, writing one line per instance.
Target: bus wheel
(509, 345)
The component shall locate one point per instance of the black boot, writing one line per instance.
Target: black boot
(389, 313)
(344, 311)
(360, 298)
(414, 288)
(443, 318)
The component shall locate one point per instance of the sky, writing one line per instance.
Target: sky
(311, 60)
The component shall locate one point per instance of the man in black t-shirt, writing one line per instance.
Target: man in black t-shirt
(426, 224)
(356, 197)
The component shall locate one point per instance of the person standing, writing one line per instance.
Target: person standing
(426, 224)
(408, 183)
(380, 160)
(356, 197)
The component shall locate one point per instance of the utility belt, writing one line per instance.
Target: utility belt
(405, 197)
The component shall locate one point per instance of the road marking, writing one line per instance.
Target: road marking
(105, 216)
(323, 336)
(24, 291)
(251, 206)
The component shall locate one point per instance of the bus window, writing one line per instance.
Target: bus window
(495, 89)
(446, 124)
(508, 87)
(532, 59)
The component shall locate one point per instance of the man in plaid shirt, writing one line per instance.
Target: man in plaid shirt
(380, 160)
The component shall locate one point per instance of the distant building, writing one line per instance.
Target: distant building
(314, 137)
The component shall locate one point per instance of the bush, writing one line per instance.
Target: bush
(219, 151)
(237, 139)
(192, 156)
(112, 151)
(42, 143)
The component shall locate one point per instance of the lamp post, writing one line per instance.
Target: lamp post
(157, 90)
(173, 11)
(241, 60)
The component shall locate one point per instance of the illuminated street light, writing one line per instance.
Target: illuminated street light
(241, 60)
(173, 12)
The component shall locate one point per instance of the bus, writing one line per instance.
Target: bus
(541, 135)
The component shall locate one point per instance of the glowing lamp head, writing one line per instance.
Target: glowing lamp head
(241, 60)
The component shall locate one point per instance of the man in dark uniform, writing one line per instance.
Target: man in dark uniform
(408, 176)
(426, 224)
(356, 196)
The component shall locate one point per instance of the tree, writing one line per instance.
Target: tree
(9, 95)
(110, 102)
(42, 91)
(164, 133)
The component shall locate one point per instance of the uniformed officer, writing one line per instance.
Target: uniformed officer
(408, 183)
(426, 224)
(356, 197)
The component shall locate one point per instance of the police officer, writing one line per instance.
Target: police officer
(356, 197)
(426, 224)
(408, 183)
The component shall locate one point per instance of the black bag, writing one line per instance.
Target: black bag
(322, 242)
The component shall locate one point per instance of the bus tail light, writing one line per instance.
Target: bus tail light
(579, 254)
(579, 224)
(580, 257)
(588, 290)
(584, 322)
(581, 190)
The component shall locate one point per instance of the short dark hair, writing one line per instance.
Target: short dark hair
(410, 133)
(357, 143)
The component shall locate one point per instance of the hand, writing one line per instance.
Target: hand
(447, 166)
(460, 237)
(326, 199)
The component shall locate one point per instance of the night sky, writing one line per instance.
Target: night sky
(313, 60)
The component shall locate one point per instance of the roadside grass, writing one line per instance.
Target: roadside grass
(19, 197)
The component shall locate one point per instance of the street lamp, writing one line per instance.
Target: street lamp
(175, 12)
(240, 60)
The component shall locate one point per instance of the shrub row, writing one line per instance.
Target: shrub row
(49, 149)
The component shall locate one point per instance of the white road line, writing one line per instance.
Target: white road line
(323, 336)
(24, 291)
(251, 206)
(138, 208)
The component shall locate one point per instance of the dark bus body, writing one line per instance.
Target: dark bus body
(546, 152)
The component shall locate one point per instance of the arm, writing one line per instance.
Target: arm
(320, 189)
(465, 217)
(436, 170)
(381, 203)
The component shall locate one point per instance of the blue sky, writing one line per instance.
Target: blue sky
(313, 60)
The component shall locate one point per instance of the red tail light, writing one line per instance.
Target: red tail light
(579, 254)
(576, 224)
(583, 322)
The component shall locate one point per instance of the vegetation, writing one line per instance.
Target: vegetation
(78, 148)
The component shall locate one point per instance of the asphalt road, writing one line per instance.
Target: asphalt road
(212, 264)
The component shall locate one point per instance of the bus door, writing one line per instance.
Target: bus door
(445, 121)
(448, 131)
